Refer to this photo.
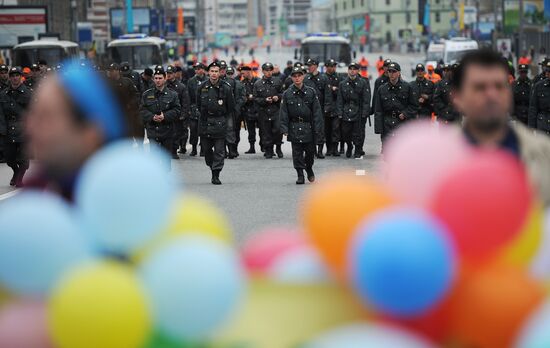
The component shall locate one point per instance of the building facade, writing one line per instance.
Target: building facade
(287, 17)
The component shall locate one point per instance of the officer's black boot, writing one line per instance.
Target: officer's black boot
(194, 151)
(335, 151)
(341, 152)
(310, 174)
(175, 154)
(252, 148)
(232, 153)
(349, 150)
(320, 151)
(13, 178)
(201, 152)
(279, 151)
(329, 149)
(269, 152)
(301, 180)
(216, 177)
(19, 177)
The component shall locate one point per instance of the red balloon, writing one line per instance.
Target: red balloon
(484, 202)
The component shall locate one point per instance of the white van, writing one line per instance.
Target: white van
(457, 47)
(435, 53)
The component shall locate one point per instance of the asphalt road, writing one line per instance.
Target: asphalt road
(257, 192)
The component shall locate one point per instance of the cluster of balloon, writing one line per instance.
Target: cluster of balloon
(443, 244)
(130, 264)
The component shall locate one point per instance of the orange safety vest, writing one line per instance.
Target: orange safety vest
(255, 68)
(524, 60)
(364, 67)
(380, 67)
(435, 78)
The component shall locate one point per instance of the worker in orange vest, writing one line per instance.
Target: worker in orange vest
(432, 75)
(380, 66)
(255, 67)
(364, 63)
(524, 59)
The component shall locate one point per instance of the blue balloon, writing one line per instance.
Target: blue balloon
(194, 284)
(39, 242)
(124, 196)
(402, 262)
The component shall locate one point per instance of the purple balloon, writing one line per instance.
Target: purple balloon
(23, 324)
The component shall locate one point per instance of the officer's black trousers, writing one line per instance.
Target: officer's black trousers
(238, 126)
(272, 132)
(16, 157)
(351, 132)
(166, 144)
(185, 133)
(251, 126)
(230, 137)
(193, 131)
(178, 134)
(362, 132)
(332, 130)
(303, 155)
(214, 152)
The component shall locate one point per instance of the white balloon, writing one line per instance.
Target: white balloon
(535, 333)
(365, 335)
(301, 265)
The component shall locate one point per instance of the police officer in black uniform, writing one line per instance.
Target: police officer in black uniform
(319, 82)
(302, 123)
(443, 105)
(539, 106)
(192, 85)
(160, 109)
(521, 88)
(127, 72)
(288, 79)
(147, 79)
(249, 110)
(396, 103)
(268, 92)
(14, 102)
(233, 125)
(380, 81)
(353, 106)
(4, 79)
(332, 121)
(216, 105)
(425, 91)
(542, 75)
(240, 98)
(34, 78)
(180, 126)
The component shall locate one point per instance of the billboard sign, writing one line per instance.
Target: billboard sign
(142, 21)
(19, 24)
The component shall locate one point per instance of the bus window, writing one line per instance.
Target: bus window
(26, 57)
(339, 52)
(314, 51)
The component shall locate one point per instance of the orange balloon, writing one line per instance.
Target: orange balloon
(490, 303)
(334, 207)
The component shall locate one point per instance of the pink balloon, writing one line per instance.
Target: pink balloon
(264, 247)
(24, 325)
(419, 157)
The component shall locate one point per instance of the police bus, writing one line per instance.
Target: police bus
(140, 50)
(50, 49)
(325, 46)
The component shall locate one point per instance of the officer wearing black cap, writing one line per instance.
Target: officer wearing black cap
(302, 123)
(249, 109)
(180, 126)
(381, 80)
(443, 105)
(160, 109)
(425, 90)
(216, 105)
(268, 92)
(521, 88)
(396, 103)
(542, 75)
(147, 79)
(233, 137)
(192, 86)
(539, 106)
(14, 102)
(34, 77)
(127, 89)
(127, 72)
(288, 69)
(332, 121)
(288, 79)
(353, 108)
(319, 83)
(4, 79)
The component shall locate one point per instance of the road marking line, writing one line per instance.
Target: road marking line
(9, 194)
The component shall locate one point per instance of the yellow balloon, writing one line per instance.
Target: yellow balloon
(192, 215)
(278, 315)
(5, 296)
(99, 305)
(522, 250)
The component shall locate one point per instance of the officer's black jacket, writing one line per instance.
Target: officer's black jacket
(249, 109)
(136, 80)
(331, 95)
(13, 104)
(540, 77)
(264, 88)
(183, 96)
(522, 94)
(424, 86)
(393, 100)
(319, 82)
(153, 102)
(192, 87)
(216, 106)
(236, 89)
(301, 115)
(539, 106)
(353, 102)
(32, 83)
(443, 105)
(380, 81)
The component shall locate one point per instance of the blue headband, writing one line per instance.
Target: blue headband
(91, 94)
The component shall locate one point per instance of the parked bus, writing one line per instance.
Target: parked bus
(325, 46)
(140, 50)
(50, 49)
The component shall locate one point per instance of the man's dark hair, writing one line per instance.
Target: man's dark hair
(485, 57)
